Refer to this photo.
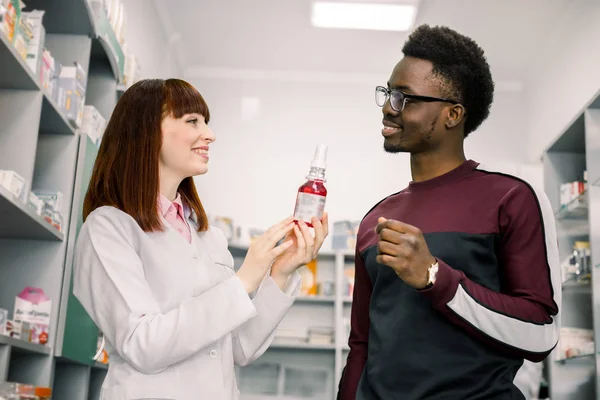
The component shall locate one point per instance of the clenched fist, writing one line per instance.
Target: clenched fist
(402, 247)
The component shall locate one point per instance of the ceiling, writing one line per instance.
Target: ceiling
(276, 35)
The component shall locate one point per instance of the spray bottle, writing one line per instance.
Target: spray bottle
(310, 201)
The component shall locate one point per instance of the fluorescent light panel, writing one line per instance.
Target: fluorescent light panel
(374, 16)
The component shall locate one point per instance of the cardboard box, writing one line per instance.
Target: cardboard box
(13, 183)
(72, 85)
(38, 39)
(93, 124)
(3, 319)
(34, 307)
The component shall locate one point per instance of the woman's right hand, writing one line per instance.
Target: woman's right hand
(262, 252)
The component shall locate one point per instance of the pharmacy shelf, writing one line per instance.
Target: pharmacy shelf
(43, 146)
(15, 72)
(99, 365)
(575, 358)
(105, 45)
(20, 221)
(17, 75)
(52, 120)
(576, 151)
(314, 311)
(77, 12)
(279, 344)
(570, 287)
(102, 50)
(315, 299)
(576, 209)
(18, 345)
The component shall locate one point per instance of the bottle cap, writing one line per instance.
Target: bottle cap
(320, 157)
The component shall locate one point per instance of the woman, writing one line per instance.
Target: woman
(155, 277)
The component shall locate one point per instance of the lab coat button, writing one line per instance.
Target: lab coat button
(213, 353)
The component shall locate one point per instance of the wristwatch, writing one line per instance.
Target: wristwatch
(432, 273)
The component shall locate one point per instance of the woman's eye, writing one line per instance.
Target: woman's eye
(193, 121)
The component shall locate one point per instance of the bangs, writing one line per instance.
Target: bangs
(183, 98)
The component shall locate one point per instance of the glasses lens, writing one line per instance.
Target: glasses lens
(397, 100)
(380, 96)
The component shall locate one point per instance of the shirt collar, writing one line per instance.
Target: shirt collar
(164, 204)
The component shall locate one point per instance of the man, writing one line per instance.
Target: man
(457, 276)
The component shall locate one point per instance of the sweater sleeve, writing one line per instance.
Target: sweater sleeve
(359, 331)
(523, 318)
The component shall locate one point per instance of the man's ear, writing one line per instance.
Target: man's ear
(456, 115)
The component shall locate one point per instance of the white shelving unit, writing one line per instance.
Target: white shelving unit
(577, 149)
(272, 370)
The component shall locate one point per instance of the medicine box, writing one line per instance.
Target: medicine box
(13, 183)
(71, 92)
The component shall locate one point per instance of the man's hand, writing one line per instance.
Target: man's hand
(402, 247)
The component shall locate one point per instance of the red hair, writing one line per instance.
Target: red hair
(125, 174)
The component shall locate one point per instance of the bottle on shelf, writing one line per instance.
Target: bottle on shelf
(310, 201)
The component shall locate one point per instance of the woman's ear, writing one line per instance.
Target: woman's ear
(456, 115)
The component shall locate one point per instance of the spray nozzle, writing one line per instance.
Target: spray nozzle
(320, 157)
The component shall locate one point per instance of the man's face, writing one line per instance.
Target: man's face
(418, 127)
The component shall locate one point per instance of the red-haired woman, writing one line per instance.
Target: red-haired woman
(155, 277)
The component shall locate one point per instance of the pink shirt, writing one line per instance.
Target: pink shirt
(173, 213)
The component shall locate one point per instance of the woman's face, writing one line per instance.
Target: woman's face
(184, 151)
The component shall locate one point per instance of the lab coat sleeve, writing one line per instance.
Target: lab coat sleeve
(253, 338)
(109, 282)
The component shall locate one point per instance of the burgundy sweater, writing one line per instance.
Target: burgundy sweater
(495, 301)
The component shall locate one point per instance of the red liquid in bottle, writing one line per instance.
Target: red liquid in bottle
(310, 201)
(318, 193)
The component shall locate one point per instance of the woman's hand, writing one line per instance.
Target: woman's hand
(304, 248)
(262, 252)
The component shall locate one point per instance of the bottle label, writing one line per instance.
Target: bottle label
(309, 205)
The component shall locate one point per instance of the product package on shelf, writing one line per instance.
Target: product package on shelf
(575, 342)
(14, 183)
(50, 70)
(577, 267)
(52, 207)
(320, 335)
(349, 281)
(3, 319)
(22, 391)
(71, 92)
(23, 34)
(4, 19)
(35, 203)
(33, 308)
(570, 195)
(309, 278)
(291, 336)
(344, 235)
(38, 39)
(226, 225)
(132, 68)
(93, 124)
(11, 14)
(101, 353)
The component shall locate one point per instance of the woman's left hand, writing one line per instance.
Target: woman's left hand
(304, 249)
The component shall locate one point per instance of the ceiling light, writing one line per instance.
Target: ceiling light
(383, 17)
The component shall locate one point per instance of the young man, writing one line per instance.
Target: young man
(457, 276)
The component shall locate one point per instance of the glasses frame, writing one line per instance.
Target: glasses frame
(427, 99)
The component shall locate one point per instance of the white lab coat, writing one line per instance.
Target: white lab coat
(175, 316)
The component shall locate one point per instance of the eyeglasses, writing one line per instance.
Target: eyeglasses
(398, 98)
